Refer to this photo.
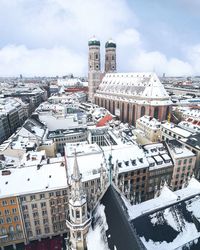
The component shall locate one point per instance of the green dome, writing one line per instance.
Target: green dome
(110, 44)
(93, 42)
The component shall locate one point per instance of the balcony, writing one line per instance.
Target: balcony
(78, 227)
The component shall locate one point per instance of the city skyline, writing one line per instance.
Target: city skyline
(50, 37)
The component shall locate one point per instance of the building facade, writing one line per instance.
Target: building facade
(184, 164)
(150, 126)
(11, 226)
(130, 96)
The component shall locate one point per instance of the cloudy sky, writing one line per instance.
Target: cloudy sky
(49, 37)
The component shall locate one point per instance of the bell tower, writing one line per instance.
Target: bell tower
(94, 67)
(110, 56)
(79, 220)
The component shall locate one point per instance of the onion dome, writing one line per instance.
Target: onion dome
(94, 42)
(110, 44)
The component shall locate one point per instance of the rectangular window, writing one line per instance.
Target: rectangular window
(190, 160)
(46, 230)
(38, 231)
(26, 216)
(185, 161)
(30, 234)
(42, 196)
(179, 162)
(36, 222)
(23, 198)
(45, 221)
(7, 212)
(83, 211)
(12, 202)
(51, 194)
(34, 205)
(43, 204)
(77, 214)
(35, 214)
(32, 197)
(44, 212)
(58, 193)
(1, 221)
(24, 207)
(14, 210)
(4, 203)
(64, 192)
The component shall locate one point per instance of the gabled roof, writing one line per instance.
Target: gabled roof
(110, 223)
(140, 85)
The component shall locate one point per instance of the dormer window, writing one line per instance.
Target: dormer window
(133, 162)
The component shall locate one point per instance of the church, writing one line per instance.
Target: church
(126, 95)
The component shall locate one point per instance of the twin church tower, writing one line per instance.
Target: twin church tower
(95, 74)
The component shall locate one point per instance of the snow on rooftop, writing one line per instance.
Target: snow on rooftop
(192, 189)
(177, 130)
(144, 85)
(165, 198)
(182, 152)
(90, 158)
(95, 237)
(31, 179)
(150, 121)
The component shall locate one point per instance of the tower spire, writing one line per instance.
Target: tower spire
(79, 220)
(76, 173)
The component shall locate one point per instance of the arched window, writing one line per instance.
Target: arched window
(11, 229)
(109, 105)
(142, 111)
(122, 112)
(18, 227)
(133, 115)
(167, 113)
(127, 113)
(83, 211)
(78, 235)
(3, 230)
(105, 104)
(101, 102)
(156, 111)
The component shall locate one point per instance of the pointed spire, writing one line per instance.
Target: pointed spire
(76, 173)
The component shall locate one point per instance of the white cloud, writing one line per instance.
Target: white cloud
(49, 37)
(156, 61)
(15, 60)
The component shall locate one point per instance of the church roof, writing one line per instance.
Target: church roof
(111, 225)
(134, 85)
(110, 44)
(93, 42)
(170, 221)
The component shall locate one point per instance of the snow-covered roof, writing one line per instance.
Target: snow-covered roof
(94, 236)
(177, 150)
(177, 130)
(149, 121)
(90, 158)
(167, 222)
(33, 179)
(145, 86)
